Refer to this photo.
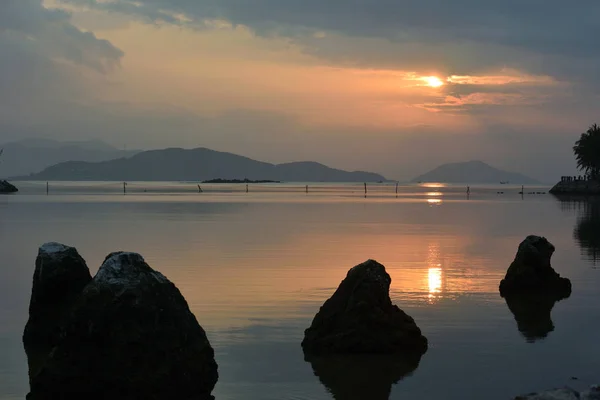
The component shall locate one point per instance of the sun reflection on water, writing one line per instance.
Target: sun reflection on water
(434, 272)
(434, 198)
(434, 278)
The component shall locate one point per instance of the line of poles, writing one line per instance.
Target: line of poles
(522, 192)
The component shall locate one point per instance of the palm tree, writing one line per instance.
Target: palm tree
(587, 151)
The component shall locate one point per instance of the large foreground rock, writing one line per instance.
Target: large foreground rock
(59, 278)
(360, 318)
(6, 187)
(130, 335)
(531, 270)
(563, 394)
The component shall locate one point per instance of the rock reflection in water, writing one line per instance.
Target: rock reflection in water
(361, 376)
(532, 312)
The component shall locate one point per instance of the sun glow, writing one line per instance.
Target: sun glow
(433, 81)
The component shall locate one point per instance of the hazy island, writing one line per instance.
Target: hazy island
(587, 155)
(472, 172)
(200, 164)
(219, 180)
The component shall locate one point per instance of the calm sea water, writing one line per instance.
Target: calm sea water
(255, 267)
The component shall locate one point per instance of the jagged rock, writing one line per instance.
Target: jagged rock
(592, 394)
(362, 376)
(59, 278)
(360, 318)
(6, 187)
(531, 270)
(130, 335)
(563, 394)
(553, 394)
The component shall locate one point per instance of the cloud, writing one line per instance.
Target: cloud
(522, 34)
(43, 62)
(48, 34)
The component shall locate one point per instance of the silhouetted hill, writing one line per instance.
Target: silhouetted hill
(199, 164)
(472, 172)
(33, 155)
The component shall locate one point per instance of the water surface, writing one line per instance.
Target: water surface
(255, 267)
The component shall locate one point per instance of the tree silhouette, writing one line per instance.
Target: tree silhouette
(587, 151)
(587, 229)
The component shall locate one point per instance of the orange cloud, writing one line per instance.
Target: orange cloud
(508, 77)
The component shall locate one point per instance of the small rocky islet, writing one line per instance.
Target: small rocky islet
(359, 318)
(128, 333)
(531, 287)
(531, 271)
(576, 186)
(359, 344)
(7, 187)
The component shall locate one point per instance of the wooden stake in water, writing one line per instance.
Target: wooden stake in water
(365, 189)
(396, 189)
(199, 189)
(246, 188)
(124, 188)
(47, 188)
(306, 188)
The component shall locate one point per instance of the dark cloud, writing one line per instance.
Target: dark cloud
(49, 34)
(41, 53)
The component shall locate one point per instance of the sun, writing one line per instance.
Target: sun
(433, 81)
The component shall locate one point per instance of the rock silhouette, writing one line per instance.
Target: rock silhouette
(6, 187)
(565, 393)
(532, 312)
(128, 335)
(362, 376)
(531, 270)
(360, 318)
(59, 278)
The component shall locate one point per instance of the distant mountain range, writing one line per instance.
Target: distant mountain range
(33, 155)
(472, 172)
(199, 164)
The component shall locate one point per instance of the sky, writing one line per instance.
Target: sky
(391, 86)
